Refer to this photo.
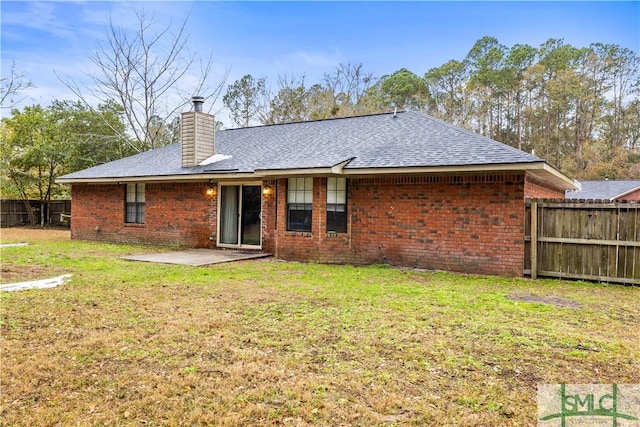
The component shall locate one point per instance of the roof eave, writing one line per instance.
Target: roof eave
(540, 170)
(632, 190)
(336, 169)
(274, 173)
(157, 178)
(550, 174)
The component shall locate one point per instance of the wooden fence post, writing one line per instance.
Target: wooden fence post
(534, 239)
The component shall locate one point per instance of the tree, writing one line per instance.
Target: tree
(575, 107)
(290, 103)
(487, 82)
(631, 127)
(246, 100)
(519, 59)
(13, 182)
(322, 103)
(343, 92)
(93, 135)
(624, 81)
(448, 88)
(39, 144)
(348, 85)
(12, 85)
(32, 155)
(143, 71)
(553, 85)
(403, 90)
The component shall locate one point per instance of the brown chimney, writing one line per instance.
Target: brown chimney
(198, 134)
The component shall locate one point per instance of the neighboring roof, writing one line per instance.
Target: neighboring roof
(363, 144)
(604, 190)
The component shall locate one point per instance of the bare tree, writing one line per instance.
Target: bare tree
(247, 99)
(15, 82)
(348, 84)
(290, 104)
(144, 71)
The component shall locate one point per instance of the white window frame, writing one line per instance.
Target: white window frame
(137, 190)
(336, 199)
(300, 197)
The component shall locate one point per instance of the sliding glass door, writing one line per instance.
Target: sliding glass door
(250, 218)
(240, 215)
(229, 210)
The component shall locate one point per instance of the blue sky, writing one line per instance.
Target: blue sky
(53, 40)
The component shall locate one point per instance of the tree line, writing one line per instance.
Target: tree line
(39, 144)
(578, 108)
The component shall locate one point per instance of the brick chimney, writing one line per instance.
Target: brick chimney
(197, 134)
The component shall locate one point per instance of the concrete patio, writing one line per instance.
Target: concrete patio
(198, 257)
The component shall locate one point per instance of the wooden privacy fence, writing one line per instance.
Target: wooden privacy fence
(591, 240)
(14, 212)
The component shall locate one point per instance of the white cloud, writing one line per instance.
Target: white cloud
(315, 59)
(41, 16)
(52, 42)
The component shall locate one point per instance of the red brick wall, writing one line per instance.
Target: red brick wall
(269, 215)
(470, 224)
(535, 189)
(635, 195)
(317, 245)
(175, 214)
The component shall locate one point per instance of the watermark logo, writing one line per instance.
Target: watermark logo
(569, 405)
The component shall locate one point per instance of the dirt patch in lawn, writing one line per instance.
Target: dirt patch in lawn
(27, 234)
(545, 299)
(14, 273)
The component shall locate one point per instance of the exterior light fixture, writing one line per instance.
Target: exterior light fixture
(266, 190)
(211, 190)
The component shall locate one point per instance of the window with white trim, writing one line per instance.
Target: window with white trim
(134, 204)
(299, 204)
(337, 205)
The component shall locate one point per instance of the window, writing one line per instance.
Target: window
(299, 202)
(337, 205)
(134, 205)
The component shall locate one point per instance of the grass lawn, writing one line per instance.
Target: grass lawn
(277, 343)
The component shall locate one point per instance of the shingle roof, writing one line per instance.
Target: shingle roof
(406, 139)
(603, 190)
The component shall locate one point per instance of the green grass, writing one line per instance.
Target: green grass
(271, 342)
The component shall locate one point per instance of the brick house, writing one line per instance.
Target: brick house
(613, 191)
(399, 188)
